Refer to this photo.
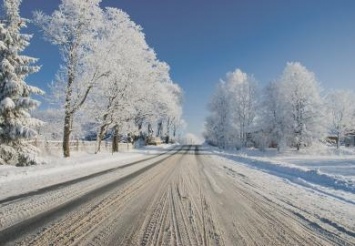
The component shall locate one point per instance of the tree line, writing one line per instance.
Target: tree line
(291, 111)
(110, 80)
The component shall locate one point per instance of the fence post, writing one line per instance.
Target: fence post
(77, 145)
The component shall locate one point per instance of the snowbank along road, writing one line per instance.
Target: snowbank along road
(184, 197)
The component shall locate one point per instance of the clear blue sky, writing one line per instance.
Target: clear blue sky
(203, 39)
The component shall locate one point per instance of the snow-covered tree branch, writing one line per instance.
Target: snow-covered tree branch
(109, 71)
(290, 112)
(16, 123)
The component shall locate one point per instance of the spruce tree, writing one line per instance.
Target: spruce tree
(16, 123)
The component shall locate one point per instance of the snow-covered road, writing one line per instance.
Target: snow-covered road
(15, 181)
(191, 196)
(26, 206)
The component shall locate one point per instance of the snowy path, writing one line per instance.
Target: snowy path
(22, 211)
(192, 197)
(15, 181)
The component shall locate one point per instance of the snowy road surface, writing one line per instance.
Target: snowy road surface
(184, 197)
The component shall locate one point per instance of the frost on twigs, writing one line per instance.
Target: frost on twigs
(288, 113)
(16, 124)
(110, 78)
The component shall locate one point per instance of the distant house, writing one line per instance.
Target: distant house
(350, 139)
(331, 139)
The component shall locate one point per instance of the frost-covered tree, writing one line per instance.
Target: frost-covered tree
(233, 110)
(138, 88)
(174, 115)
(219, 128)
(16, 123)
(166, 100)
(341, 113)
(122, 43)
(110, 74)
(272, 123)
(156, 103)
(302, 107)
(243, 93)
(76, 28)
(292, 110)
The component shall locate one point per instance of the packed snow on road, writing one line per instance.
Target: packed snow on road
(319, 199)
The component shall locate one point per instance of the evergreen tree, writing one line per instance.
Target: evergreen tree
(16, 123)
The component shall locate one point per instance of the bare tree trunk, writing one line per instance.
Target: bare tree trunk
(140, 126)
(70, 107)
(150, 130)
(100, 136)
(160, 129)
(68, 114)
(167, 131)
(115, 140)
(338, 140)
(66, 134)
(298, 145)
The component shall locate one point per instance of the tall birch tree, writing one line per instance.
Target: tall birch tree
(76, 28)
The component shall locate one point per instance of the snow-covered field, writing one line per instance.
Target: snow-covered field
(339, 164)
(336, 165)
(329, 172)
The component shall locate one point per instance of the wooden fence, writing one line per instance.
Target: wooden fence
(51, 147)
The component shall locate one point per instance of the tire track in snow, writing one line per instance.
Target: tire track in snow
(75, 181)
(20, 229)
(187, 200)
